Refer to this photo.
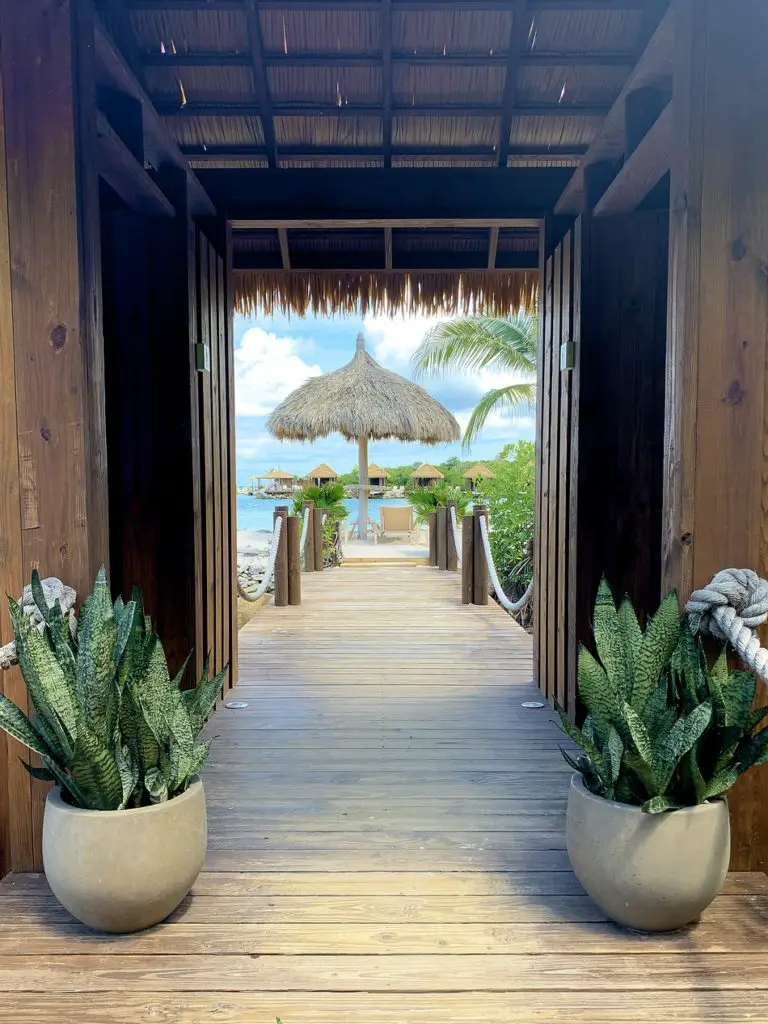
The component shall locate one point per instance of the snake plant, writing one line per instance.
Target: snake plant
(663, 729)
(112, 727)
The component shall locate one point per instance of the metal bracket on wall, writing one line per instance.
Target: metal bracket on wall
(202, 357)
(567, 355)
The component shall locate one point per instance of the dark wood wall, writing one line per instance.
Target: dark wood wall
(600, 432)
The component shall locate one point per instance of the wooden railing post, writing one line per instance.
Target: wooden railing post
(281, 562)
(309, 547)
(440, 521)
(317, 538)
(480, 566)
(432, 539)
(452, 555)
(467, 559)
(294, 560)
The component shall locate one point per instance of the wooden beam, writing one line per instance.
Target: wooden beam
(437, 263)
(518, 37)
(260, 80)
(120, 18)
(386, 79)
(554, 6)
(646, 166)
(387, 248)
(654, 68)
(493, 245)
(278, 58)
(414, 223)
(120, 168)
(240, 109)
(213, 154)
(375, 195)
(285, 253)
(160, 148)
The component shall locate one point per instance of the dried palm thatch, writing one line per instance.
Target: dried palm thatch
(427, 472)
(432, 293)
(276, 474)
(323, 472)
(377, 472)
(362, 400)
(479, 470)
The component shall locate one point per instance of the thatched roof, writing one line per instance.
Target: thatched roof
(427, 472)
(323, 472)
(276, 474)
(377, 472)
(362, 399)
(479, 470)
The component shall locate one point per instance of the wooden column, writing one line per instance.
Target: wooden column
(441, 540)
(432, 538)
(715, 496)
(480, 562)
(281, 562)
(309, 546)
(451, 555)
(53, 505)
(317, 538)
(294, 560)
(467, 559)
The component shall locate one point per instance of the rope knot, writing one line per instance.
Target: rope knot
(741, 590)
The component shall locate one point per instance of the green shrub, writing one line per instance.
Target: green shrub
(426, 499)
(663, 729)
(111, 726)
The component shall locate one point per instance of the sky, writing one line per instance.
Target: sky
(275, 355)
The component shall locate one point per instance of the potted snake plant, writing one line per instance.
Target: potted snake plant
(125, 832)
(665, 737)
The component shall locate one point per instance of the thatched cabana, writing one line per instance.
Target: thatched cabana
(281, 480)
(477, 472)
(362, 400)
(377, 475)
(322, 474)
(426, 475)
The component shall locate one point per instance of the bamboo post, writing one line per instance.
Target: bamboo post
(317, 538)
(432, 539)
(480, 567)
(309, 547)
(294, 560)
(452, 555)
(441, 519)
(281, 562)
(467, 559)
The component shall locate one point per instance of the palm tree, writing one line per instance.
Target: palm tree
(474, 343)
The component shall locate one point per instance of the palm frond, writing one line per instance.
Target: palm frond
(514, 398)
(472, 344)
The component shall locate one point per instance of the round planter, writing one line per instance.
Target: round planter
(121, 871)
(651, 872)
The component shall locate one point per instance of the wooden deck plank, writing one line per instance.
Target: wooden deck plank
(386, 847)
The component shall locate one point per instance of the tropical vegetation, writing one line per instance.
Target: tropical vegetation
(664, 730)
(329, 497)
(471, 345)
(426, 500)
(112, 727)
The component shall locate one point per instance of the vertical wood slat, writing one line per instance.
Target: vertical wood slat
(564, 595)
(467, 559)
(206, 479)
(281, 561)
(538, 558)
(479, 561)
(573, 476)
(218, 581)
(543, 565)
(227, 486)
(228, 428)
(441, 539)
(553, 453)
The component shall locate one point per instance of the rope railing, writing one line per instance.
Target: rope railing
(269, 572)
(456, 534)
(731, 606)
(304, 530)
(511, 606)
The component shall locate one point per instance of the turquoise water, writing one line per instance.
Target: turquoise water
(256, 513)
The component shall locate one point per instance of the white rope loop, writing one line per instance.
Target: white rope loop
(456, 537)
(304, 530)
(269, 572)
(511, 606)
(731, 606)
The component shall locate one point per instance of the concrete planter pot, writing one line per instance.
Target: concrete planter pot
(651, 872)
(121, 871)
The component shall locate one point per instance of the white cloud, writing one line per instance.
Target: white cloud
(393, 340)
(250, 447)
(267, 369)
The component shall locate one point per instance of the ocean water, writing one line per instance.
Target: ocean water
(256, 513)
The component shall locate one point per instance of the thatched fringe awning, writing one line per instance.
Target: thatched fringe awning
(430, 293)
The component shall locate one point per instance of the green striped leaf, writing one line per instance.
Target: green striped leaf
(94, 770)
(608, 639)
(97, 686)
(16, 724)
(683, 734)
(598, 694)
(631, 637)
(659, 642)
(659, 804)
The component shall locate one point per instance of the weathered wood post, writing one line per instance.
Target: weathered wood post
(294, 560)
(480, 566)
(452, 555)
(432, 539)
(309, 546)
(281, 562)
(317, 538)
(467, 559)
(441, 518)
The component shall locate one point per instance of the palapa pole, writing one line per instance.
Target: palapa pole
(317, 538)
(467, 559)
(362, 462)
(441, 518)
(294, 560)
(281, 562)
(309, 547)
(480, 574)
(432, 539)
(451, 558)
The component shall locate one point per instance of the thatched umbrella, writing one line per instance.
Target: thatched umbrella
(426, 474)
(362, 400)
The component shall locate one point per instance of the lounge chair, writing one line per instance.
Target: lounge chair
(400, 520)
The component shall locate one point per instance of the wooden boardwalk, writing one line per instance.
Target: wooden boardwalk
(386, 847)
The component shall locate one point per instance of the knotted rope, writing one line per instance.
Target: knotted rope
(511, 606)
(731, 606)
(269, 572)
